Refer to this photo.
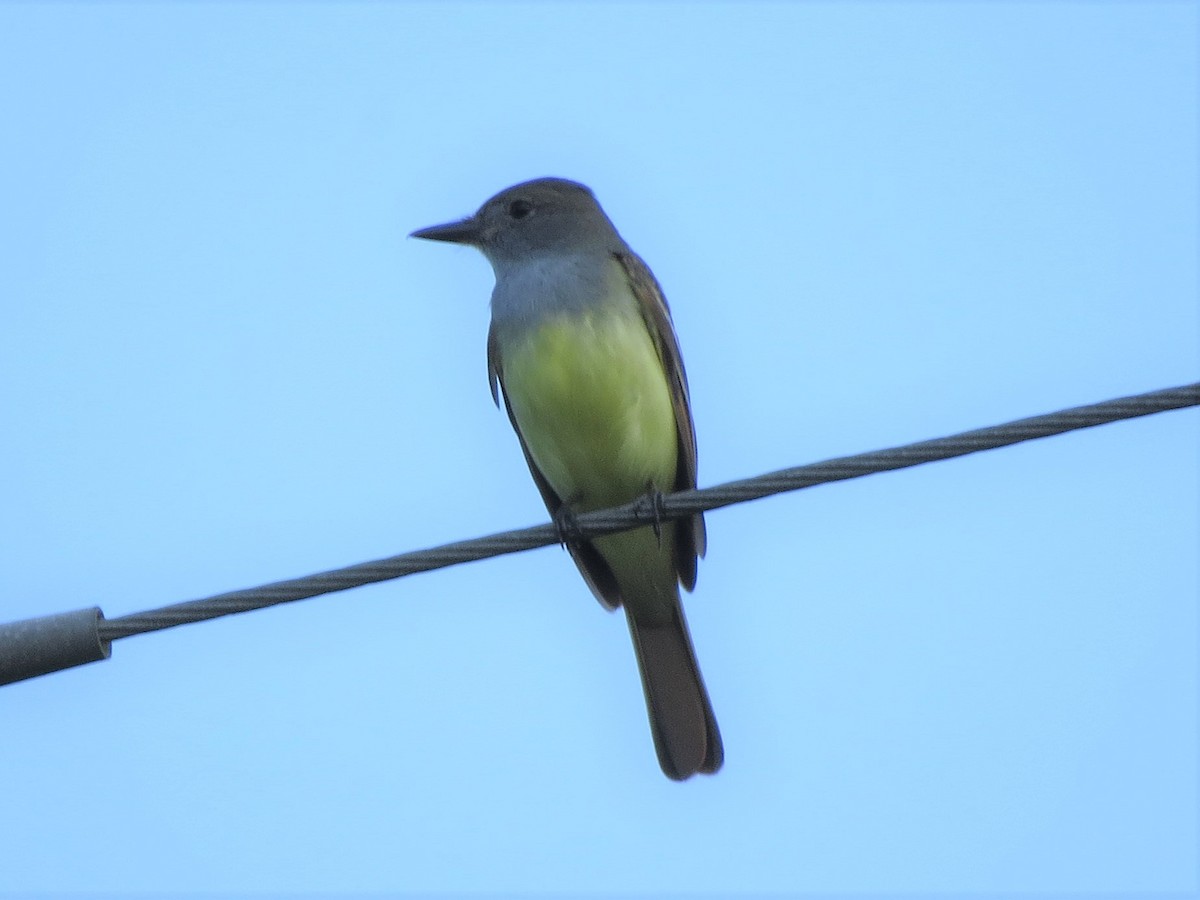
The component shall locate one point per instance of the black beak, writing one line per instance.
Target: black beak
(465, 231)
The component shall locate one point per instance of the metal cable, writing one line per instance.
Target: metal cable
(643, 511)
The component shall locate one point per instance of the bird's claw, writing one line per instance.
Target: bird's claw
(567, 526)
(651, 505)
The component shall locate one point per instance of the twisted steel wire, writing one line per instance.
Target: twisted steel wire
(644, 511)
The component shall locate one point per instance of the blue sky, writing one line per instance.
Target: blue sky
(222, 363)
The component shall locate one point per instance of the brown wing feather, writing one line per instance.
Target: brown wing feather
(596, 572)
(690, 535)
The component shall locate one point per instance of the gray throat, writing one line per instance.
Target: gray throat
(540, 285)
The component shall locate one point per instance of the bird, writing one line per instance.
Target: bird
(583, 353)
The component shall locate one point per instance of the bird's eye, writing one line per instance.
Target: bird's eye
(519, 209)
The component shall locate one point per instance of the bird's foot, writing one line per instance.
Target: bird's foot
(567, 526)
(651, 506)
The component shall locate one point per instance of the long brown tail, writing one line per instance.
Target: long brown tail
(681, 717)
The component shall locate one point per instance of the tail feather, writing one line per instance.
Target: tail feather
(681, 718)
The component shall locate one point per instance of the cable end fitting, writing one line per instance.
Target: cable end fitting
(34, 647)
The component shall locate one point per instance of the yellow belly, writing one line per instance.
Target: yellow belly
(593, 407)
